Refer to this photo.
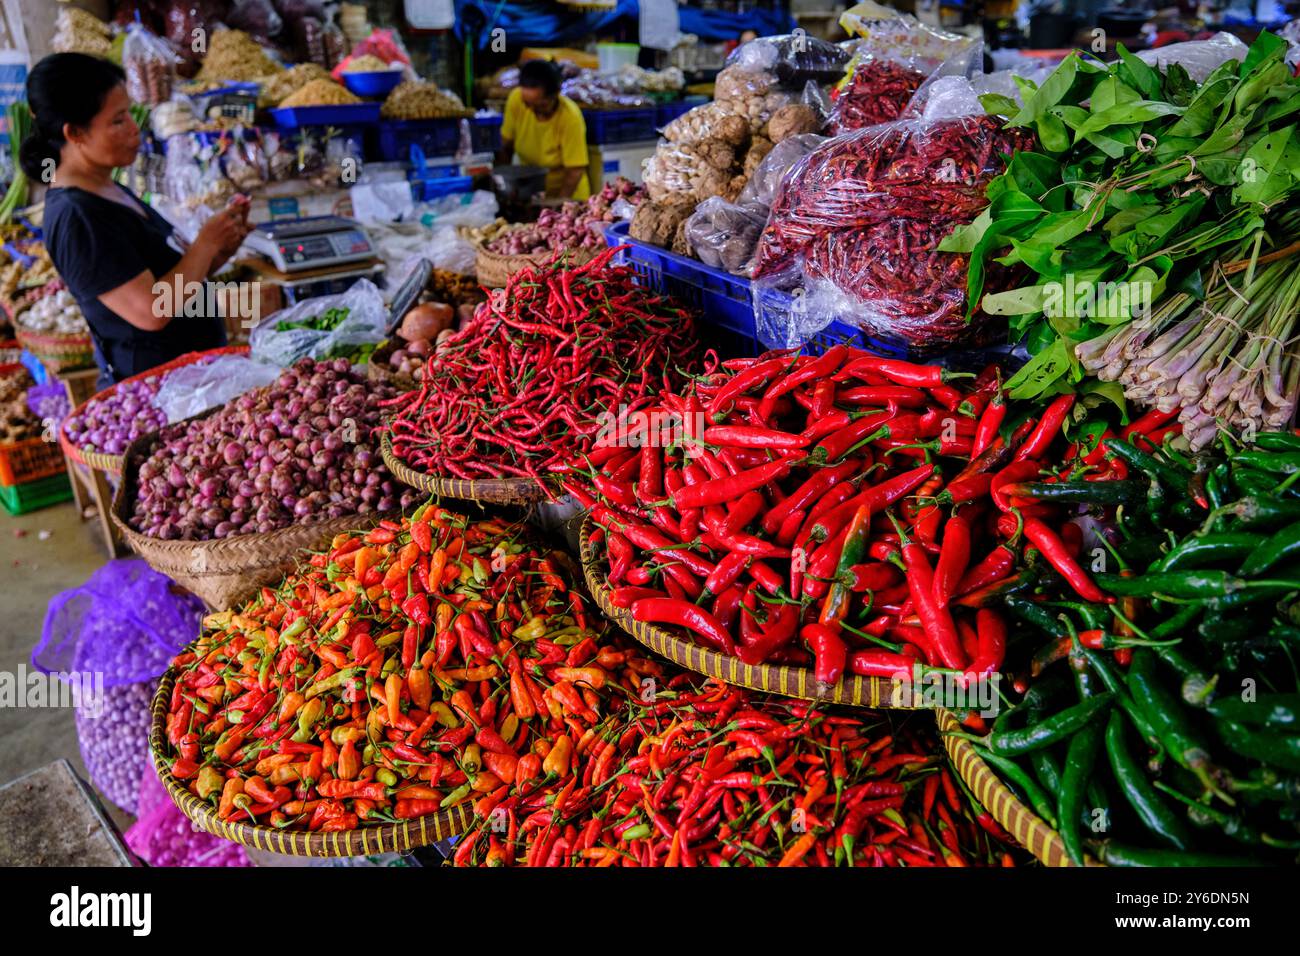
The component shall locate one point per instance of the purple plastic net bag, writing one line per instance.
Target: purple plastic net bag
(163, 836)
(114, 636)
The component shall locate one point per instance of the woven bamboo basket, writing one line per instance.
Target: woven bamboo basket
(364, 841)
(495, 491)
(112, 464)
(58, 353)
(873, 692)
(494, 269)
(222, 571)
(1028, 829)
(378, 369)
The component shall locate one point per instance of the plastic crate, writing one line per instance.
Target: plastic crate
(665, 113)
(29, 460)
(425, 190)
(607, 127)
(435, 137)
(34, 495)
(725, 302)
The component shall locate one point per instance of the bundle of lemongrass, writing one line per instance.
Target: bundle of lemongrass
(1231, 361)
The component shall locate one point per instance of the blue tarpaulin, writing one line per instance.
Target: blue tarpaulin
(535, 23)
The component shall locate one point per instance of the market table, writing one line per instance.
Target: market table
(49, 817)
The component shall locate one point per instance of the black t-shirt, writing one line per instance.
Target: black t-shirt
(97, 245)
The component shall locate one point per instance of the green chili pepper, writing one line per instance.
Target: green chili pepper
(1034, 614)
(1267, 746)
(1278, 441)
(638, 832)
(1015, 775)
(1174, 478)
(1138, 715)
(1173, 625)
(1049, 731)
(1251, 482)
(1170, 720)
(1079, 762)
(1191, 585)
(456, 796)
(1212, 549)
(1262, 511)
(1133, 782)
(1117, 854)
(1280, 546)
(1047, 768)
(1081, 492)
(1215, 485)
(1277, 463)
(1232, 826)
(293, 630)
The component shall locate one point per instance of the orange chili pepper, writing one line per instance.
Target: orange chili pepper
(798, 849)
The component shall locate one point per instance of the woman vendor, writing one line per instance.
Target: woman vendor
(111, 249)
(546, 128)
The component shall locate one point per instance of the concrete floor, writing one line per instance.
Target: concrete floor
(34, 570)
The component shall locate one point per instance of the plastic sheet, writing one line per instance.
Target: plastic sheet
(122, 626)
(694, 171)
(192, 389)
(365, 324)
(884, 32)
(724, 235)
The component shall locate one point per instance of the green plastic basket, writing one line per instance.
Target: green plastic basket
(35, 495)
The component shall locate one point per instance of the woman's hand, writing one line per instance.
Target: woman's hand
(225, 231)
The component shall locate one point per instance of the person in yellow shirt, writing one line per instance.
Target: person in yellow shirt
(546, 128)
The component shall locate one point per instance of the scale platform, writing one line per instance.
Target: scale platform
(313, 243)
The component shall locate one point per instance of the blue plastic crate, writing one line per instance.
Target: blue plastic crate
(726, 303)
(429, 189)
(607, 127)
(665, 113)
(348, 114)
(435, 137)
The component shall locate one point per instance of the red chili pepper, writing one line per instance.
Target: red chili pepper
(1045, 431)
(1058, 556)
(686, 615)
(953, 558)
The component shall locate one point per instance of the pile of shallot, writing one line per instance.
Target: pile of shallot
(297, 451)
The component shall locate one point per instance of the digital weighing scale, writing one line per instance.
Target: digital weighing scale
(317, 242)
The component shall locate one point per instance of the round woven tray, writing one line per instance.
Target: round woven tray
(1028, 829)
(57, 352)
(494, 269)
(874, 692)
(364, 841)
(378, 369)
(496, 491)
(222, 571)
(112, 464)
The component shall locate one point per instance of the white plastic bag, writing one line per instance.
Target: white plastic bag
(192, 389)
(150, 66)
(366, 323)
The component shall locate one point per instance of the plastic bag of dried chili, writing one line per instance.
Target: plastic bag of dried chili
(855, 228)
(932, 171)
(877, 92)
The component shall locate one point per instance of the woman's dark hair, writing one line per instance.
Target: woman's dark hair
(64, 88)
(540, 74)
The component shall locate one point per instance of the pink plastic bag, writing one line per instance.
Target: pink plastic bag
(163, 836)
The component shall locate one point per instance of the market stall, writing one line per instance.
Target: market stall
(900, 470)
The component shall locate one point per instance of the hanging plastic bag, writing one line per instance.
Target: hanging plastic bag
(883, 31)
(164, 836)
(120, 628)
(282, 339)
(150, 65)
(192, 389)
